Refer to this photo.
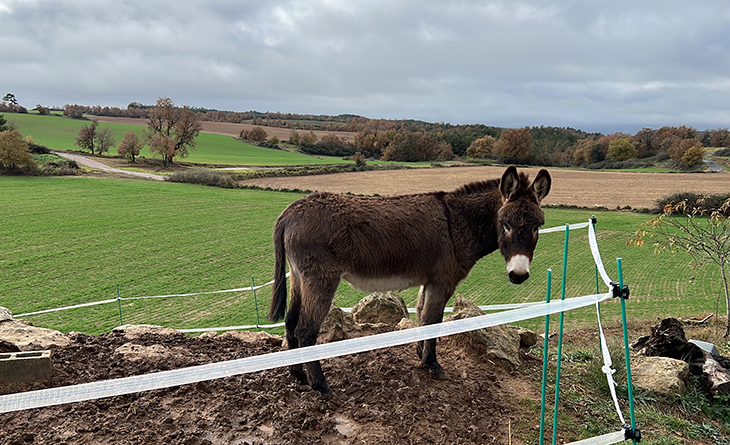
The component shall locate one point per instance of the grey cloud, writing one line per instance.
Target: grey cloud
(606, 65)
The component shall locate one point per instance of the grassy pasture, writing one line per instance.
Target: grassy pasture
(70, 240)
(60, 133)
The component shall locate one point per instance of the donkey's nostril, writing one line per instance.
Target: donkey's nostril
(518, 278)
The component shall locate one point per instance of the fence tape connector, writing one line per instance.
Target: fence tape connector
(165, 379)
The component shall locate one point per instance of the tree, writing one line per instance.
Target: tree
(621, 150)
(131, 146)
(10, 97)
(482, 147)
(3, 123)
(14, 154)
(703, 233)
(104, 140)
(720, 137)
(402, 148)
(43, 111)
(257, 134)
(644, 140)
(163, 145)
(87, 136)
(681, 147)
(515, 144)
(179, 126)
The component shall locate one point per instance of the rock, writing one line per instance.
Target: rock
(254, 337)
(497, 342)
(338, 325)
(5, 314)
(17, 335)
(660, 374)
(133, 332)
(528, 338)
(136, 353)
(380, 307)
(406, 323)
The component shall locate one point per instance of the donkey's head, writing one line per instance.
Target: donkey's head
(519, 219)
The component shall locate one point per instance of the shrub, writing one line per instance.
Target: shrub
(15, 158)
(204, 177)
(725, 152)
(695, 201)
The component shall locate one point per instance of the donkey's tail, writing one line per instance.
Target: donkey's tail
(278, 297)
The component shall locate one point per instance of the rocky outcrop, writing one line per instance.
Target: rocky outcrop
(17, 335)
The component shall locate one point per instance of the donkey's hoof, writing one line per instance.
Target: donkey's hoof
(324, 390)
(436, 371)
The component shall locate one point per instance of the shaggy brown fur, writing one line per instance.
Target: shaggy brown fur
(430, 240)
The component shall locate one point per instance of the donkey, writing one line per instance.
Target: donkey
(430, 240)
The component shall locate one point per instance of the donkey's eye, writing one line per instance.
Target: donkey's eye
(507, 229)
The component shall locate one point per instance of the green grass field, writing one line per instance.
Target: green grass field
(71, 240)
(59, 133)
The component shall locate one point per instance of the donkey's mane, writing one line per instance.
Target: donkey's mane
(488, 185)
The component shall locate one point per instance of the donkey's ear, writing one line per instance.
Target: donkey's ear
(509, 184)
(541, 185)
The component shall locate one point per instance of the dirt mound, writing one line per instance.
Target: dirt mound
(379, 396)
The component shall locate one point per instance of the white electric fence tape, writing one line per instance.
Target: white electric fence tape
(606, 439)
(597, 256)
(251, 288)
(194, 374)
(607, 362)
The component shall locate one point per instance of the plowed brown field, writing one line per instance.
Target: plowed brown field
(570, 187)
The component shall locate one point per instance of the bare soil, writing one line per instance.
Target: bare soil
(379, 397)
(570, 187)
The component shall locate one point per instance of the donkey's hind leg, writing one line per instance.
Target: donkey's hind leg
(431, 302)
(317, 296)
(291, 322)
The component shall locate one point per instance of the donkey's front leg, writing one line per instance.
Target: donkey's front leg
(430, 310)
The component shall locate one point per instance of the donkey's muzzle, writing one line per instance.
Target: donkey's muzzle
(518, 269)
(517, 278)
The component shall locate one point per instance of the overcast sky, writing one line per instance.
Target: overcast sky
(590, 64)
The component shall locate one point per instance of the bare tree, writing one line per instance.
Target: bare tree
(86, 138)
(104, 140)
(703, 233)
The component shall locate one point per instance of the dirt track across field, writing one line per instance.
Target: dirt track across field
(570, 187)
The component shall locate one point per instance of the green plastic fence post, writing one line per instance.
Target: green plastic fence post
(626, 350)
(253, 286)
(545, 359)
(119, 302)
(560, 336)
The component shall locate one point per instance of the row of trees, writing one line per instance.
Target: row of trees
(407, 140)
(170, 133)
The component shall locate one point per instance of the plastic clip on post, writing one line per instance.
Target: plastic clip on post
(620, 291)
(632, 434)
